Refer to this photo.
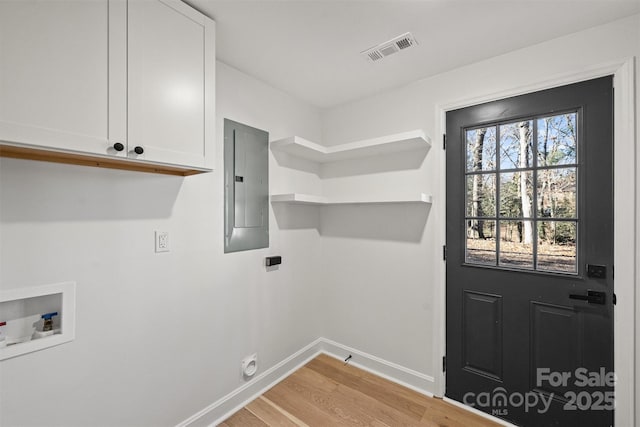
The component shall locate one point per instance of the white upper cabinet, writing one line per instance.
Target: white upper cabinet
(171, 61)
(129, 84)
(54, 74)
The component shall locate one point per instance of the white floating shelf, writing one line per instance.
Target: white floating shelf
(306, 199)
(300, 147)
(298, 199)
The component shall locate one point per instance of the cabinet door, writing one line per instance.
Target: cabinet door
(171, 60)
(53, 74)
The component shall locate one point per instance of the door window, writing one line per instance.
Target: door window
(521, 194)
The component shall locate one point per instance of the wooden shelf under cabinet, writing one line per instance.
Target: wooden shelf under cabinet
(60, 156)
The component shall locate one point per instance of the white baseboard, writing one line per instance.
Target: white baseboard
(409, 378)
(224, 407)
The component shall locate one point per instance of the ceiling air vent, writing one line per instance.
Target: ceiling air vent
(390, 47)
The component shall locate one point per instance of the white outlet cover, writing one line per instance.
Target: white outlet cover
(162, 241)
(250, 365)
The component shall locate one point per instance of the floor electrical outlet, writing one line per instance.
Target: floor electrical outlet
(250, 365)
(162, 241)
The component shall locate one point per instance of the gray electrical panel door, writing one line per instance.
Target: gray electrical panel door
(246, 187)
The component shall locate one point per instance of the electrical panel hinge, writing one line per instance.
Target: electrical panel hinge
(615, 299)
(444, 141)
(444, 252)
(444, 363)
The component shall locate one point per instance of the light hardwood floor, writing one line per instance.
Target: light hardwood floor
(326, 392)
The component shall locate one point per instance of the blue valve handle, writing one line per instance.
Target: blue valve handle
(48, 316)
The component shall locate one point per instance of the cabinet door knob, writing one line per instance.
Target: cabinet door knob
(138, 150)
(118, 146)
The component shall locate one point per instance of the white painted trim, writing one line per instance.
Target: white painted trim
(398, 374)
(625, 242)
(562, 79)
(480, 413)
(188, 11)
(626, 205)
(439, 292)
(227, 405)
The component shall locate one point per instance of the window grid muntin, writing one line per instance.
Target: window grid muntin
(535, 219)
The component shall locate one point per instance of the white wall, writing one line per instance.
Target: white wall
(159, 336)
(382, 291)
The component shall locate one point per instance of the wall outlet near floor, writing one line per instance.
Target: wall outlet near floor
(162, 241)
(250, 365)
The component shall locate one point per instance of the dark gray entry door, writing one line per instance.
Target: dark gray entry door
(529, 256)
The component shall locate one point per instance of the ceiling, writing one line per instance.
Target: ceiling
(311, 48)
